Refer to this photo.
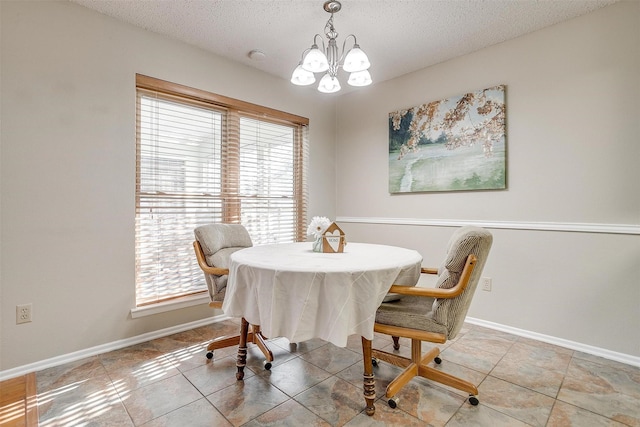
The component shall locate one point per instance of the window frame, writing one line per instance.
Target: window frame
(234, 110)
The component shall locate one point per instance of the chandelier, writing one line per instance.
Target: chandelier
(328, 61)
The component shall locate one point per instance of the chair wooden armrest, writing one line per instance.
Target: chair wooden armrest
(437, 292)
(203, 263)
(429, 270)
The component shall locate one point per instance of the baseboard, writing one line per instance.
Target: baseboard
(596, 351)
(104, 348)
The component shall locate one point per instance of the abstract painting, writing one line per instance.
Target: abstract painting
(452, 144)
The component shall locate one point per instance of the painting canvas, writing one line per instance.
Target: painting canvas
(449, 145)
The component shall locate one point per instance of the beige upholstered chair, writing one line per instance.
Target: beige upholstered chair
(430, 314)
(214, 245)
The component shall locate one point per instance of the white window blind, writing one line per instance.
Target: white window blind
(200, 161)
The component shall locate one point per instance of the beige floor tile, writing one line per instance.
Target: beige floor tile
(488, 340)
(331, 358)
(289, 414)
(515, 401)
(305, 375)
(385, 416)
(69, 373)
(247, 399)
(545, 356)
(334, 400)
(566, 415)
(131, 377)
(200, 413)
(471, 357)
(130, 356)
(603, 389)
(160, 398)
(215, 375)
(91, 401)
(482, 416)
(527, 375)
(430, 404)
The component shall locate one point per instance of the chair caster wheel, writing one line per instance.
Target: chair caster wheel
(267, 365)
(473, 400)
(393, 402)
(374, 361)
(437, 360)
(210, 355)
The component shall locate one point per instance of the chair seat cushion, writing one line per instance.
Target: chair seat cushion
(222, 258)
(408, 276)
(390, 297)
(410, 312)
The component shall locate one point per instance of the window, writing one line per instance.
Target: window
(204, 158)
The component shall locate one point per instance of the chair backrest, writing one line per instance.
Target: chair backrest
(464, 242)
(218, 242)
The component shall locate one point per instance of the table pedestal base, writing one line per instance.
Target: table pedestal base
(369, 382)
(241, 360)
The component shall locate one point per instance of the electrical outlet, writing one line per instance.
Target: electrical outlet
(486, 284)
(23, 313)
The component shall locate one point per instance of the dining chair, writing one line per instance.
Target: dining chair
(430, 314)
(214, 245)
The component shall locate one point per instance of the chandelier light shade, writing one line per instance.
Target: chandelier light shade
(328, 60)
(356, 60)
(329, 84)
(360, 78)
(315, 60)
(302, 77)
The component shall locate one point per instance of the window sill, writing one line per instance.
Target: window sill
(162, 307)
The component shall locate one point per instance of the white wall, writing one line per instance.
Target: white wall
(68, 169)
(573, 126)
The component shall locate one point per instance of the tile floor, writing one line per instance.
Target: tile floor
(169, 382)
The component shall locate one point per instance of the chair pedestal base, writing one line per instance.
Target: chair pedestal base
(416, 366)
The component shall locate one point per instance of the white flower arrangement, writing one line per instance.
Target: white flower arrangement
(318, 226)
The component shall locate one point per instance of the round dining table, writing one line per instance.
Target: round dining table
(288, 290)
(293, 292)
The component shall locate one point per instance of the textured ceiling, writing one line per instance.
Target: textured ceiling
(399, 36)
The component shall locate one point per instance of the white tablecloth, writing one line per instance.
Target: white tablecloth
(293, 292)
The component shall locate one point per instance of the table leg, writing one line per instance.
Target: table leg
(369, 380)
(241, 361)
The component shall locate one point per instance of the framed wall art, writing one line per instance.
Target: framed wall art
(452, 144)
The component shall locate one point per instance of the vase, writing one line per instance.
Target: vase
(317, 244)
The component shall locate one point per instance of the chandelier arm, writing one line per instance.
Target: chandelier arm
(324, 50)
(344, 51)
(304, 52)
